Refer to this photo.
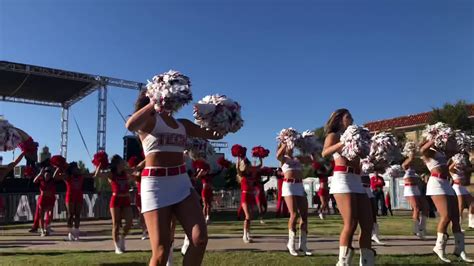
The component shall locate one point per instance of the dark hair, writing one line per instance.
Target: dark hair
(333, 125)
(114, 162)
(142, 100)
(70, 168)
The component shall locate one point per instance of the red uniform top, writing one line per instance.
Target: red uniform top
(247, 184)
(48, 188)
(376, 182)
(74, 187)
(120, 184)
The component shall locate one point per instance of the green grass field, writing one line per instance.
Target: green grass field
(211, 258)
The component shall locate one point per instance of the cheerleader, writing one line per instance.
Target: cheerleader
(138, 201)
(281, 208)
(247, 198)
(120, 207)
(444, 197)
(349, 193)
(165, 187)
(207, 190)
(260, 197)
(74, 199)
(323, 192)
(459, 173)
(295, 198)
(47, 197)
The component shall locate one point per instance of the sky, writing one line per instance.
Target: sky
(288, 63)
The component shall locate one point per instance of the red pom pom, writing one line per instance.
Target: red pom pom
(28, 146)
(260, 152)
(200, 164)
(224, 163)
(58, 161)
(29, 172)
(133, 161)
(266, 171)
(101, 158)
(238, 151)
(316, 165)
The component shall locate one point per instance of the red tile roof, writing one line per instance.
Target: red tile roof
(404, 121)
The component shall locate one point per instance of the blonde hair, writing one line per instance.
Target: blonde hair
(333, 125)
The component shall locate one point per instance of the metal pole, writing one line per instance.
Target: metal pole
(102, 119)
(64, 131)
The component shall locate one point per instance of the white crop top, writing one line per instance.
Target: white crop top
(291, 164)
(457, 174)
(164, 138)
(409, 173)
(336, 155)
(438, 160)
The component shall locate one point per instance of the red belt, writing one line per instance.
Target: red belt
(293, 180)
(346, 169)
(165, 171)
(439, 175)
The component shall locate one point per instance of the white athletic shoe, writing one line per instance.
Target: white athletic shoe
(43, 232)
(145, 235)
(321, 216)
(185, 246)
(118, 250)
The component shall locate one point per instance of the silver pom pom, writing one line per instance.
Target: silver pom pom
(356, 140)
(170, 90)
(394, 171)
(384, 147)
(9, 136)
(439, 133)
(308, 143)
(460, 160)
(410, 148)
(288, 136)
(218, 113)
(465, 142)
(367, 166)
(197, 148)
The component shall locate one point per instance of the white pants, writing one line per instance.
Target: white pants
(439, 186)
(163, 191)
(346, 183)
(293, 189)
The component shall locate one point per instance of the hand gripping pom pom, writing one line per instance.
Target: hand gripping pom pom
(260, 152)
(439, 133)
(288, 136)
(356, 140)
(101, 158)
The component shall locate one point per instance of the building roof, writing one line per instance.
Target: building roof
(404, 121)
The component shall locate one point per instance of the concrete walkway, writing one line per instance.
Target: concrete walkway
(96, 238)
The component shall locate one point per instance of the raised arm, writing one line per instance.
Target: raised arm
(260, 163)
(36, 179)
(140, 118)
(425, 148)
(194, 130)
(408, 161)
(281, 153)
(331, 145)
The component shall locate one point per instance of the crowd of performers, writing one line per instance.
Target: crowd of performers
(167, 192)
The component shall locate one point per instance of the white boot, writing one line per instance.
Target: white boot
(422, 227)
(122, 243)
(440, 248)
(291, 243)
(70, 236)
(208, 219)
(302, 245)
(170, 256)
(459, 247)
(345, 256)
(43, 232)
(118, 249)
(375, 234)
(416, 227)
(367, 257)
(245, 237)
(76, 233)
(185, 246)
(471, 221)
(321, 215)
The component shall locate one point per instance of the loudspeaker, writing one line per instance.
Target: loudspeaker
(132, 147)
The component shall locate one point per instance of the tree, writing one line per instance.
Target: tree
(82, 167)
(456, 116)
